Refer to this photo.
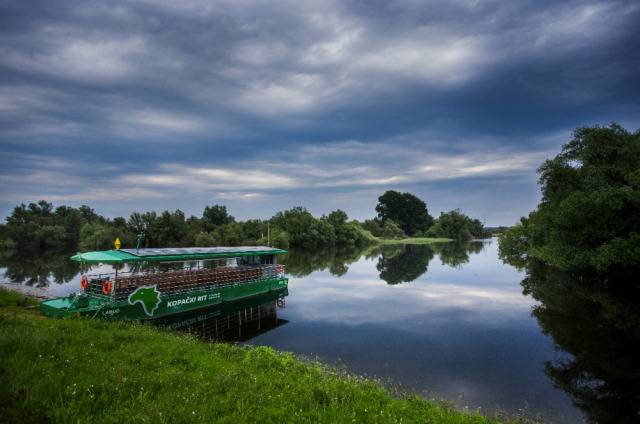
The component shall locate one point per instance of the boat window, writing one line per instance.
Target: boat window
(219, 263)
(266, 259)
(256, 260)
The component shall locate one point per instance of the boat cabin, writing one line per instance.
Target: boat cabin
(178, 270)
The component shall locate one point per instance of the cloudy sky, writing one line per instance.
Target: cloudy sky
(266, 105)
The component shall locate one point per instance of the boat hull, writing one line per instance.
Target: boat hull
(148, 302)
(230, 321)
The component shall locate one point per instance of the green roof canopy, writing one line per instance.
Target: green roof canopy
(172, 254)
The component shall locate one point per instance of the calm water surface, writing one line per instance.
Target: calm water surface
(449, 322)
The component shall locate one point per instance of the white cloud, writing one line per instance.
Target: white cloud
(350, 165)
(81, 59)
(384, 163)
(139, 122)
(567, 26)
(298, 94)
(153, 124)
(334, 166)
(430, 56)
(239, 195)
(24, 98)
(197, 178)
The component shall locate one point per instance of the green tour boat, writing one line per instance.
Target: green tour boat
(139, 287)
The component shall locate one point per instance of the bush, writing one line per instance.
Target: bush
(456, 225)
(388, 229)
(204, 239)
(228, 235)
(391, 230)
(97, 236)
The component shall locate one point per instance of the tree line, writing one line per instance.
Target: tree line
(41, 226)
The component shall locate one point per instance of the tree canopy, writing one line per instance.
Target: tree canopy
(406, 210)
(215, 215)
(457, 226)
(589, 216)
(40, 227)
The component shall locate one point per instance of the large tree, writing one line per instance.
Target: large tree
(589, 216)
(405, 209)
(214, 216)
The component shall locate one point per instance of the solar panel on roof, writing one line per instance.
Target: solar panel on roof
(166, 251)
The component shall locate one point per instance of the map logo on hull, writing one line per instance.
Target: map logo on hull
(148, 297)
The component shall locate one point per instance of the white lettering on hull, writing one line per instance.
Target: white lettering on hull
(193, 299)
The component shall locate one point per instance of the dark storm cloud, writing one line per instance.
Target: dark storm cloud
(162, 104)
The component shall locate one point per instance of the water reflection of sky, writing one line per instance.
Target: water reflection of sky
(464, 334)
(47, 284)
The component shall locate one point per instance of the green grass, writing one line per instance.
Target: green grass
(10, 298)
(366, 234)
(82, 370)
(407, 240)
(414, 240)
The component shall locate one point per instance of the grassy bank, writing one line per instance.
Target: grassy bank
(407, 240)
(414, 240)
(81, 370)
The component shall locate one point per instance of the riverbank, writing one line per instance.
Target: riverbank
(373, 240)
(81, 370)
(414, 240)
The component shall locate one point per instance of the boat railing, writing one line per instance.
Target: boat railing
(181, 281)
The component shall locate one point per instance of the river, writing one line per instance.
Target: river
(448, 321)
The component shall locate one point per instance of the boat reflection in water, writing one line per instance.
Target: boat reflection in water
(231, 321)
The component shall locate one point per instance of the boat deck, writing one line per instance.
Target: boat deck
(185, 280)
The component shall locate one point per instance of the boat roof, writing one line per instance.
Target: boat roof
(170, 254)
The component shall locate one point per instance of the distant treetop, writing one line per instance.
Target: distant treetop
(406, 210)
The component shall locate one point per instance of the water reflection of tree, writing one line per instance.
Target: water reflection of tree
(39, 270)
(302, 262)
(597, 321)
(405, 263)
(457, 254)
(404, 266)
(397, 263)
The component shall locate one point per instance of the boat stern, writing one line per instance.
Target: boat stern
(57, 308)
(66, 306)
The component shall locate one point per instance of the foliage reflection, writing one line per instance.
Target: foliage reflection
(404, 263)
(396, 263)
(597, 321)
(39, 270)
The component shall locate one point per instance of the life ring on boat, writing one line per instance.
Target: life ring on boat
(84, 282)
(106, 287)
